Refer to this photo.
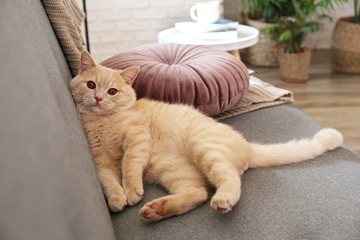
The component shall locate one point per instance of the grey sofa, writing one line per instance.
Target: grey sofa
(48, 184)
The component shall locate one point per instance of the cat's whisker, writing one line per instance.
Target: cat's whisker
(78, 108)
(115, 110)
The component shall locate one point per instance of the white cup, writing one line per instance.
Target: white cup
(206, 12)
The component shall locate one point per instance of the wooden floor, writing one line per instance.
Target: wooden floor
(332, 99)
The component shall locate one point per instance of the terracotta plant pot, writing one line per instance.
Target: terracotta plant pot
(264, 52)
(345, 46)
(294, 66)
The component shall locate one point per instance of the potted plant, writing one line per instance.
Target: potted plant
(290, 32)
(345, 47)
(262, 14)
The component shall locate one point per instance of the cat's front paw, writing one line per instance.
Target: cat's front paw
(134, 194)
(117, 203)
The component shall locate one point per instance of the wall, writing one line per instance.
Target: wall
(119, 25)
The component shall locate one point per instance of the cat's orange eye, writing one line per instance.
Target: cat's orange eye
(91, 84)
(112, 91)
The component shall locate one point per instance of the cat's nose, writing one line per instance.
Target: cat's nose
(98, 99)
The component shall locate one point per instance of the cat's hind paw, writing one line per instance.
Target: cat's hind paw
(223, 202)
(152, 212)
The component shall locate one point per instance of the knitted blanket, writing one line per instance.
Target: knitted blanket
(66, 18)
(259, 95)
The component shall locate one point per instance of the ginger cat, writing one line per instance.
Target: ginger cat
(172, 145)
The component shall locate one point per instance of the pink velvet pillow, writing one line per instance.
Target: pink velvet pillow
(211, 80)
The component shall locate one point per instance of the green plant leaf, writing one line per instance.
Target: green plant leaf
(286, 36)
(295, 18)
(309, 27)
(289, 49)
(357, 11)
(269, 13)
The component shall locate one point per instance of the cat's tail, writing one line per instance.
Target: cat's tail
(294, 151)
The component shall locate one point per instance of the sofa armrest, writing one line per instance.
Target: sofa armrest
(49, 187)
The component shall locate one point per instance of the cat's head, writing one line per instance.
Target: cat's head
(99, 90)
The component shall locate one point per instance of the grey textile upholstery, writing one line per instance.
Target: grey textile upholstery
(48, 184)
(49, 188)
(319, 199)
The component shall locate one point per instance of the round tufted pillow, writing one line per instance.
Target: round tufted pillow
(211, 80)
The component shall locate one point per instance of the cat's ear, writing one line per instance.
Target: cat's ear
(129, 75)
(86, 61)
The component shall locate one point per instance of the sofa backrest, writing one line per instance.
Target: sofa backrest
(48, 183)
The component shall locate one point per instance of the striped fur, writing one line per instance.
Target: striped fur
(172, 145)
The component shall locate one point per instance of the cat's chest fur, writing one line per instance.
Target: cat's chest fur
(106, 135)
(162, 127)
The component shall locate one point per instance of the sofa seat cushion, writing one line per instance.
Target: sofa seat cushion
(211, 80)
(317, 199)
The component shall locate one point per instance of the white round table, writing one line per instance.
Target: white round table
(247, 36)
